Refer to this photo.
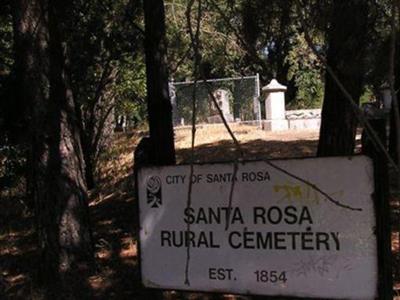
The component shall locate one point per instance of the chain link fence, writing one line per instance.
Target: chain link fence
(238, 99)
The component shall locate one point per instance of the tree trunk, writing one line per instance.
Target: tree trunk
(31, 81)
(393, 128)
(159, 149)
(347, 38)
(159, 105)
(56, 156)
(67, 241)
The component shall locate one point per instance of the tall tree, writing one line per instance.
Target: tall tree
(31, 62)
(162, 150)
(347, 38)
(56, 160)
(30, 84)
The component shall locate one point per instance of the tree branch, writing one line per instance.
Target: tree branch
(195, 40)
(250, 50)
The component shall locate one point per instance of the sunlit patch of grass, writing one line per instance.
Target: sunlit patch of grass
(395, 241)
(101, 281)
(128, 249)
(396, 288)
(16, 279)
(208, 134)
(103, 253)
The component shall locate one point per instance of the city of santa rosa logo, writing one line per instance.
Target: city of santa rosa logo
(153, 187)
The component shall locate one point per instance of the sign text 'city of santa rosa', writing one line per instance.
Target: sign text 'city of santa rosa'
(276, 235)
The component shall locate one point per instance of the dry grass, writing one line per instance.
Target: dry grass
(213, 143)
(209, 134)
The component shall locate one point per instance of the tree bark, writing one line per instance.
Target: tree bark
(347, 38)
(159, 149)
(67, 239)
(162, 150)
(31, 79)
(393, 128)
(59, 190)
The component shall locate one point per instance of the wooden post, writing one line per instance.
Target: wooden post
(382, 209)
(162, 149)
(142, 158)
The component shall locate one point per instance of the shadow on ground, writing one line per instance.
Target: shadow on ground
(257, 149)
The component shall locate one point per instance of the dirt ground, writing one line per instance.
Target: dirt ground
(213, 143)
(113, 214)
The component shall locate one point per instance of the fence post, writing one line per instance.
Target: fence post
(382, 208)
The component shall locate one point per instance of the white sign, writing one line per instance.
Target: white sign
(281, 237)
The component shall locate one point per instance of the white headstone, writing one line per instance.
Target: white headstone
(172, 97)
(222, 98)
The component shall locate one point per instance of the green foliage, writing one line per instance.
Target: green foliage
(307, 73)
(130, 90)
(109, 34)
(219, 48)
(268, 30)
(378, 45)
(368, 95)
(107, 44)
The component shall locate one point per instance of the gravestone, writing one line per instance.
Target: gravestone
(172, 95)
(304, 119)
(222, 98)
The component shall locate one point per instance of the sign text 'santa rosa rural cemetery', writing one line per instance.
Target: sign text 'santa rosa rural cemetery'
(276, 235)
